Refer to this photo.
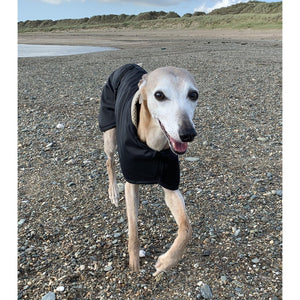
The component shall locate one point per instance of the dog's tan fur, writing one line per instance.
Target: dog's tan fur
(151, 133)
(148, 131)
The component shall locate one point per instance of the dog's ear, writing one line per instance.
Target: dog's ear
(143, 81)
(142, 84)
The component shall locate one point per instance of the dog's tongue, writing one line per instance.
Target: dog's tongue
(179, 146)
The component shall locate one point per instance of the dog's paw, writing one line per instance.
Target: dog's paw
(164, 262)
(113, 193)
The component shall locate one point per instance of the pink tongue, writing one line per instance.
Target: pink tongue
(178, 146)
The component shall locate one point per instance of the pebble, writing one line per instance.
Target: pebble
(82, 267)
(262, 139)
(190, 158)
(48, 146)
(71, 184)
(257, 180)
(60, 288)
(109, 267)
(223, 279)
(205, 290)
(21, 222)
(71, 162)
(237, 232)
(255, 260)
(121, 220)
(142, 253)
(206, 253)
(60, 126)
(279, 193)
(49, 296)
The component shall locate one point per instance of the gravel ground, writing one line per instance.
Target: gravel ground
(73, 242)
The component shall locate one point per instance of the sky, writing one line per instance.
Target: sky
(74, 9)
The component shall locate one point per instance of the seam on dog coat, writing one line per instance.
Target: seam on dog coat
(139, 163)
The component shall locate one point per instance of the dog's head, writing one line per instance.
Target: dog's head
(171, 95)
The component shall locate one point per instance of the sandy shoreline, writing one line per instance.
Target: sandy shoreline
(129, 39)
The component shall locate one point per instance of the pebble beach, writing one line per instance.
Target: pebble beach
(72, 242)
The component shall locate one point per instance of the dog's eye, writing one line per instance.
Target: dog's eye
(159, 96)
(193, 95)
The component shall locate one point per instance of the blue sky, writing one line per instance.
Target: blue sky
(63, 9)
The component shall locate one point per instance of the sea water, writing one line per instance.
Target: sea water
(26, 50)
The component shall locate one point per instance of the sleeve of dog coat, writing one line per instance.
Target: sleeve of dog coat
(106, 117)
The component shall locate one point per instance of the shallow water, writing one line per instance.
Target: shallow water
(26, 50)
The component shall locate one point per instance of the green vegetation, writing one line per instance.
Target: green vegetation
(253, 14)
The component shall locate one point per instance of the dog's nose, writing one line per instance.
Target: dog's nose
(187, 135)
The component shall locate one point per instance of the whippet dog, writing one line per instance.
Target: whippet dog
(148, 118)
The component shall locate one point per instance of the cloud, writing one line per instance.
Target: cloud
(55, 1)
(146, 2)
(220, 3)
(141, 2)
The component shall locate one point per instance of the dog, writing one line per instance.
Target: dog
(148, 118)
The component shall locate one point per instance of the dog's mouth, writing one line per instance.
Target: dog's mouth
(176, 147)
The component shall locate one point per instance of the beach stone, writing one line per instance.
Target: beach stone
(142, 253)
(49, 296)
(21, 222)
(205, 290)
(71, 162)
(82, 267)
(49, 146)
(223, 279)
(262, 139)
(190, 158)
(60, 126)
(262, 189)
(60, 288)
(109, 267)
(87, 162)
(121, 220)
(237, 232)
(206, 253)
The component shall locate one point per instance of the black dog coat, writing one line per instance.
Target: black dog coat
(139, 163)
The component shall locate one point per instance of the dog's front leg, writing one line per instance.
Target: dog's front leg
(132, 202)
(110, 142)
(175, 202)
